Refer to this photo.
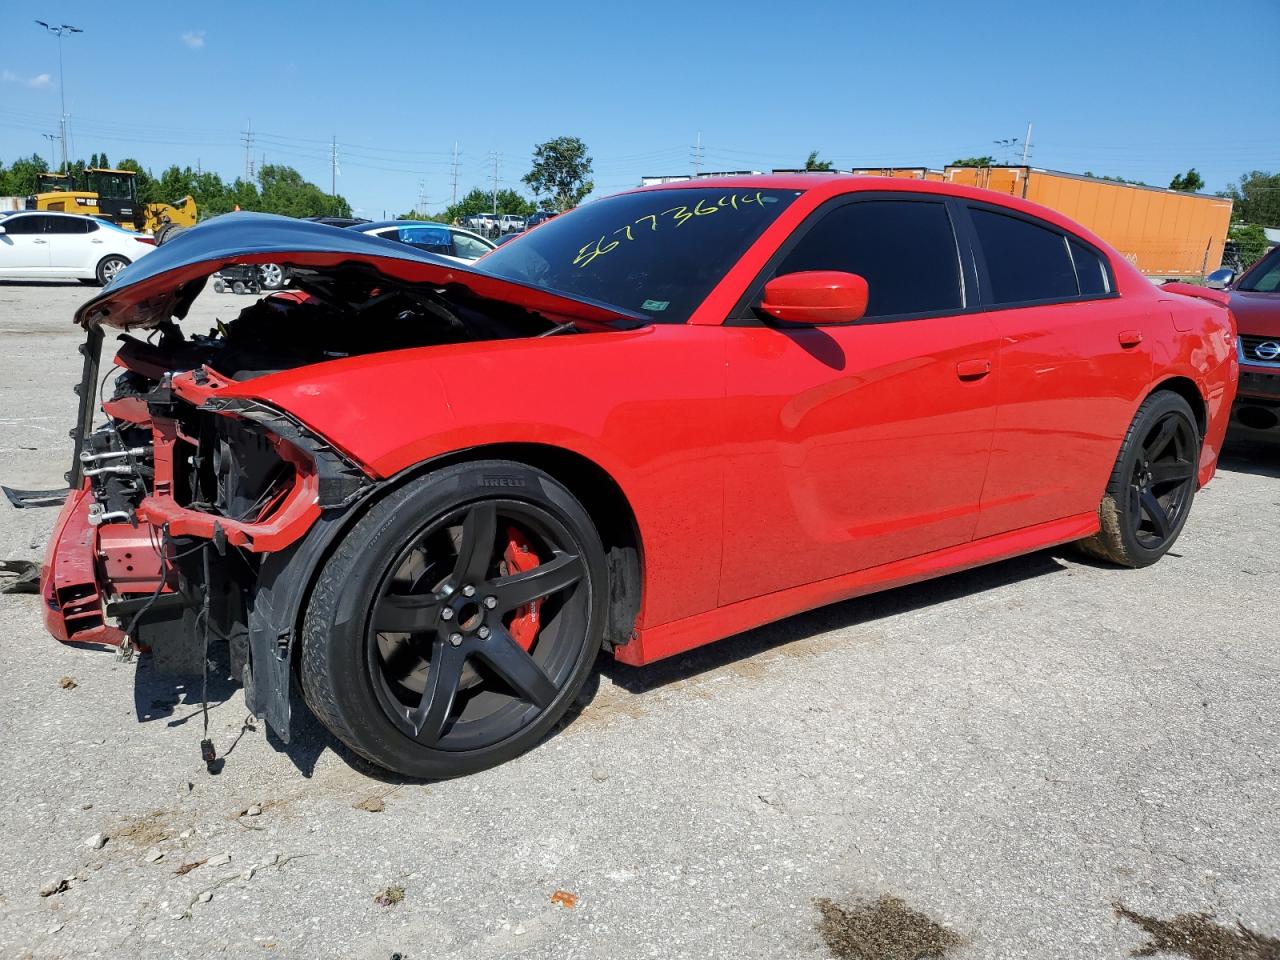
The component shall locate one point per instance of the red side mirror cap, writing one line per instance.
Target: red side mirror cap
(816, 297)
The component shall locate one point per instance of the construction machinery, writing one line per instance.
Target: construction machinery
(113, 195)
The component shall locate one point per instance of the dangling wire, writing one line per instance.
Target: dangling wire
(207, 753)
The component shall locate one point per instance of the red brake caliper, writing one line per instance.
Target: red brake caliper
(520, 557)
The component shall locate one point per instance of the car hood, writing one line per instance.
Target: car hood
(1257, 314)
(164, 283)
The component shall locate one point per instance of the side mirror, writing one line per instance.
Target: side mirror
(816, 297)
(1220, 279)
(1, 229)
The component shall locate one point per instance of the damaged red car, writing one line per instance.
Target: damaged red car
(433, 493)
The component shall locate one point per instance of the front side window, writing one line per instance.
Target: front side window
(23, 226)
(653, 252)
(1265, 276)
(1025, 262)
(904, 249)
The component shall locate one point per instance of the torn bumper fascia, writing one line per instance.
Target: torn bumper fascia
(70, 588)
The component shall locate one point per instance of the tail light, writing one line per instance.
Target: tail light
(149, 241)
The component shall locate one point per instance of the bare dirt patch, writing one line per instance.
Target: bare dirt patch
(881, 929)
(1200, 937)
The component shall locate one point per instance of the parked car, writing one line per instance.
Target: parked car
(662, 418)
(533, 219)
(451, 242)
(1255, 301)
(510, 223)
(67, 246)
(483, 222)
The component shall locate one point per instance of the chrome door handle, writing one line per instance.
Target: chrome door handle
(95, 241)
(39, 241)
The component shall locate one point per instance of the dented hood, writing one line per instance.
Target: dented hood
(164, 283)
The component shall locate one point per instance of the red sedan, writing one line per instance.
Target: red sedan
(435, 492)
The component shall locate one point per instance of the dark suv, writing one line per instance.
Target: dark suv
(1255, 301)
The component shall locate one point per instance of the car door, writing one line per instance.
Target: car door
(69, 246)
(861, 444)
(1073, 363)
(24, 247)
(467, 247)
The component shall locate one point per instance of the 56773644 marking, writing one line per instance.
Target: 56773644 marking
(680, 215)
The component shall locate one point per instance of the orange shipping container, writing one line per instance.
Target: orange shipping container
(1165, 233)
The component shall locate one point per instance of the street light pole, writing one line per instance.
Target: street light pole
(58, 31)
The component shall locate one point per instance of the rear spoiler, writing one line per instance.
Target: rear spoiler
(1220, 297)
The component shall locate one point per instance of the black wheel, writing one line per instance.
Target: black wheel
(167, 233)
(272, 275)
(1152, 485)
(238, 287)
(457, 621)
(219, 287)
(109, 266)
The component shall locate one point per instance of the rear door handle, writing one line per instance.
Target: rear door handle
(39, 241)
(95, 241)
(973, 369)
(1130, 338)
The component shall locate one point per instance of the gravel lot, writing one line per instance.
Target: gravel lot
(1010, 751)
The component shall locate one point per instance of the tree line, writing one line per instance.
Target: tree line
(275, 189)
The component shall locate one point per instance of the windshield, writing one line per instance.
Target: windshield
(657, 252)
(1265, 275)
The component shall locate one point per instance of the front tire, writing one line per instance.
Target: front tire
(457, 620)
(108, 267)
(1152, 485)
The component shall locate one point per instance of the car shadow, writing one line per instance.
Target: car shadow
(41, 283)
(838, 616)
(1246, 454)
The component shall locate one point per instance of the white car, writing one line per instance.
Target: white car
(36, 244)
(510, 223)
(452, 242)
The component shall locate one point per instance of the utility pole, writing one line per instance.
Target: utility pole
(455, 173)
(333, 175)
(52, 138)
(246, 137)
(495, 155)
(697, 156)
(421, 208)
(58, 32)
(1026, 145)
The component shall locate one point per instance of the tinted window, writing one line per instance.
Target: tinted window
(68, 224)
(1025, 262)
(1091, 272)
(1264, 277)
(22, 226)
(905, 250)
(654, 252)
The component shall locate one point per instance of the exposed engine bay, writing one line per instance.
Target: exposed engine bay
(187, 490)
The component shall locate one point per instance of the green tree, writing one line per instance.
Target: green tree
(20, 179)
(975, 162)
(284, 191)
(1103, 176)
(1257, 198)
(482, 201)
(812, 164)
(1250, 242)
(562, 172)
(1188, 182)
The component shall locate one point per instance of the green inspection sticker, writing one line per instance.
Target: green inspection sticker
(655, 305)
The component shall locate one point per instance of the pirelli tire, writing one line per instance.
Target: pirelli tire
(457, 621)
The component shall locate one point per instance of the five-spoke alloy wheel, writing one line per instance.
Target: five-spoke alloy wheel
(457, 620)
(1151, 488)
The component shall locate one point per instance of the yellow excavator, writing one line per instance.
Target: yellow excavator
(113, 195)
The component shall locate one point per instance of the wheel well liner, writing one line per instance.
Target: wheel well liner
(1186, 388)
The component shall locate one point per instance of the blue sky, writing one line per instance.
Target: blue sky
(1141, 90)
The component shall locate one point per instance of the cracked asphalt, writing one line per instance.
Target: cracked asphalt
(1010, 751)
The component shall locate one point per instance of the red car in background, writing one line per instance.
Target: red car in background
(434, 492)
(1255, 301)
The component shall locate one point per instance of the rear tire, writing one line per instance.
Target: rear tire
(168, 232)
(1152, 485)
(418, 650)
(272, 275)
(108, 267)
(238, 287)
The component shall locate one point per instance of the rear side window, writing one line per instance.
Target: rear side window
(68, 224)
(1025, 262)
(905, 250)
(1091, 272)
